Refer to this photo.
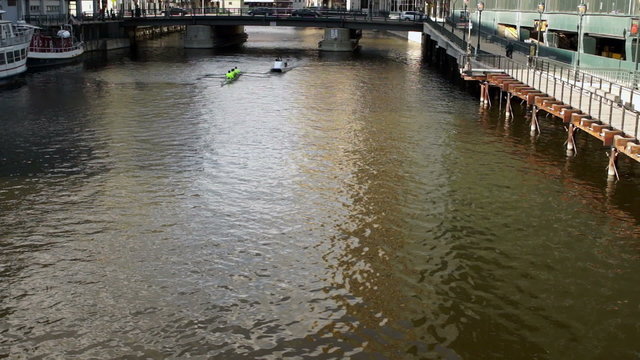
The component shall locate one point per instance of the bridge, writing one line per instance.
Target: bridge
(342, 32)
(345, 22)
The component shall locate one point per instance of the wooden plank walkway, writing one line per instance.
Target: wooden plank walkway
(575, 103)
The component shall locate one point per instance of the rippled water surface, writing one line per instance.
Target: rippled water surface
(358, 206)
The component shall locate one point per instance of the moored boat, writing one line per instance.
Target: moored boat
(54, 47)
(14, 44)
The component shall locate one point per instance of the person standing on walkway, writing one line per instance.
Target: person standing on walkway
(509, 50)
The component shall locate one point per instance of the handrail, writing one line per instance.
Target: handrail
(56, 49)
(21, 35)
(569, 86)
(623, 92)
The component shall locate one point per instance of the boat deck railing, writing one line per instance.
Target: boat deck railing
(42, 49)
(21, 35)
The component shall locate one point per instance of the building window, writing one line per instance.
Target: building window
(34, 8)
(53, 8)
(1, 59)
(11, 2)
(10, 57)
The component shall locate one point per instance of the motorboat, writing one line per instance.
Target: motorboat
(14, 47)
(279, 65)
(54, 46)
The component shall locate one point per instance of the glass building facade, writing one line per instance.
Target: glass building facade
(621, 7)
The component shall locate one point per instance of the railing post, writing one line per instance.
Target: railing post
(620, 93)
(580, 99)
(590, 98)
(547, 83)
(610, 112)
(571, 95)
(610, 86)
(540, 79)
(623, 116)
(600, 110)
(636, 130)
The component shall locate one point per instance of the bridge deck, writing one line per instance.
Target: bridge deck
(231, 20)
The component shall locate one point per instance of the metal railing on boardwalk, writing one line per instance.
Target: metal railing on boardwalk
(580, 90)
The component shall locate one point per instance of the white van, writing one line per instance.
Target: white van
(411, 15)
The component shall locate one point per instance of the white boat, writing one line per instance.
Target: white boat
(54, 46)
(14, 47)
(279, 65)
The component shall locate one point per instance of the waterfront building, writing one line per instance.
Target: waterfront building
(386, 5)
(54, 10)
(277, 4)
(605, 35)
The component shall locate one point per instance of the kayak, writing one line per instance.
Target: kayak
(229, 81)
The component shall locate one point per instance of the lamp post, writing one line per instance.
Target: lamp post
(540, 11)
(635, 31)
(464, 32)
(582, 9)
(453, 17)
(480, 8)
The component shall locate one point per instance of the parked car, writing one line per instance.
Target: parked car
(305, 13)
(411, 15)
(175, 11)
(260, 11)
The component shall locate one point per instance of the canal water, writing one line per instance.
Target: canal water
(358, 206)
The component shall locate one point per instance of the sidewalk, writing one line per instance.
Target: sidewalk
(493, 48)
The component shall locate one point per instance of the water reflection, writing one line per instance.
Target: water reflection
(353, 207)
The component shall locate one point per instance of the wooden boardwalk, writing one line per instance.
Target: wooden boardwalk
(579, 104)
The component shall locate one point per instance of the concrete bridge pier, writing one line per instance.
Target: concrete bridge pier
(209, 37)
(340, 39)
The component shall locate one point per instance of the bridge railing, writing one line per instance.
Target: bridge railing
(152, 11)
(442, 28)
(45, 20)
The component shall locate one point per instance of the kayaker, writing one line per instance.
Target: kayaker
(236, 71)
(229, 75)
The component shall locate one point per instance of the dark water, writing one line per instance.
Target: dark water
(358, 206)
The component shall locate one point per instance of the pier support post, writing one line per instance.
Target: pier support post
(571, 143)
(535, 127)
(209, 37)
(487, 96)
(340, 39)
(612, 171)
(508, 111)
(484, 94)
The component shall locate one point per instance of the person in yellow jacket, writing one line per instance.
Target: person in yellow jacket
(230, 75)
(236, 71)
